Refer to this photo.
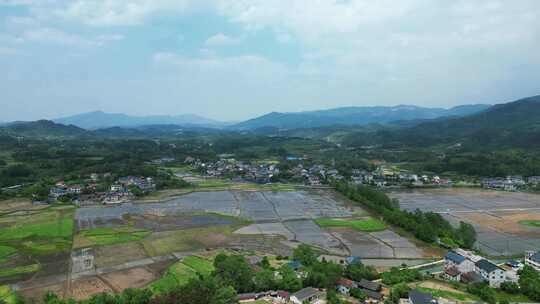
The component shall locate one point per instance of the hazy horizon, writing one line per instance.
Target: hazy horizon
(234, 60)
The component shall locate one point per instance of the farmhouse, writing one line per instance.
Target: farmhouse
(418, 297)
(307, 295)
(452, 274)
(533, 259)
(490, 272)
(344, 286)
(462, 263)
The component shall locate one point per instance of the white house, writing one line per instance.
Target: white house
(533, 259)
(459, 261)
(308, 295)
(490, 272)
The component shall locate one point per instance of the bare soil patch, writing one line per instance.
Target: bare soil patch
(85, 288)
(130, 278)
(508, 223)
(112, 255)
(165, 223)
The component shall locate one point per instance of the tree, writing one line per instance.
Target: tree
(323, 275)
(358, 294)
(467, 233)
(358, 271)
(305, 255)
(202, 290)
(289, 279)
(264, 280)
(265, 263)
(234, 271)
(399, 291)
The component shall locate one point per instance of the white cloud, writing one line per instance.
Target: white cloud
(122, 12)
(56, 36)
(221, 39)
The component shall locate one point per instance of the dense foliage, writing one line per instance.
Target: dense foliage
(427, 226)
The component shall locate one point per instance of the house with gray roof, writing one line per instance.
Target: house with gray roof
(307, 295)
(490, 272)
(458, 261)
(533, 259)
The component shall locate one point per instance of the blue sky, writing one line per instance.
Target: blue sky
(235, 59)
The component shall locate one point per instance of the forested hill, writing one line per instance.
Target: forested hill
(358, 116)
(514, 124)
(42, 129)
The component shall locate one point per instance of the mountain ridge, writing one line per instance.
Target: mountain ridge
(353, 116)
(100, 120)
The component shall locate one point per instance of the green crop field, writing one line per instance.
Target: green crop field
(9, 272)
(199, 265)
(6, 251)
(61, 228)
(7, 295)
(366, 225)
(530, 223)
(177, 275)
(109, 236)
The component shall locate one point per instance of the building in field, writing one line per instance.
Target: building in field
(533, 259)
(461, 261)
(491, 273)
(308, 295)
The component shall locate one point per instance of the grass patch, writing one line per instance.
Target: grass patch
(46, 246)
(366, 225)
(161, 243)
(9, 272)
(109, 236)
(7, 295)
(463, 297)
(199, 265)
(6, 251)
(177, 275)
(62, 228)
(530, 223)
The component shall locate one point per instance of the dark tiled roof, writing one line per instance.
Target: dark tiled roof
(372, 294)
(452, 271)
(454, 257)
(418, 297)
(471, 277)
(365, 284)
(486, 265)
(305, 293)
(536, 257)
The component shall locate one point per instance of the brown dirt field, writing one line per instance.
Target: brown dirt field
(439, 286)
(112, 255)
(508, 223)
(87, 287)
(129, 278)
(35, 295)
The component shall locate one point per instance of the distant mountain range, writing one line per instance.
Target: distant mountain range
(513, 124)
(358, 116)
(100, 120)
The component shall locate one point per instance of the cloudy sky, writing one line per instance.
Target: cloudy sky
(233, 59)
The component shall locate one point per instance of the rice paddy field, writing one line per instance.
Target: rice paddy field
(35, 242)
(161, 244)
(507, 223)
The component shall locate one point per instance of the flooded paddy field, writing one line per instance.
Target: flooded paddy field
(497, 216)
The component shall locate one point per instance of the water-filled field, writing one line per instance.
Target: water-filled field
(501, 218)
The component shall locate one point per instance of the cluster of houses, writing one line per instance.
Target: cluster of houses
(87, 194)
(307, 295)
(385, 176)
(315, 174)
(259, 173)
(510, 183)
(464, 266)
